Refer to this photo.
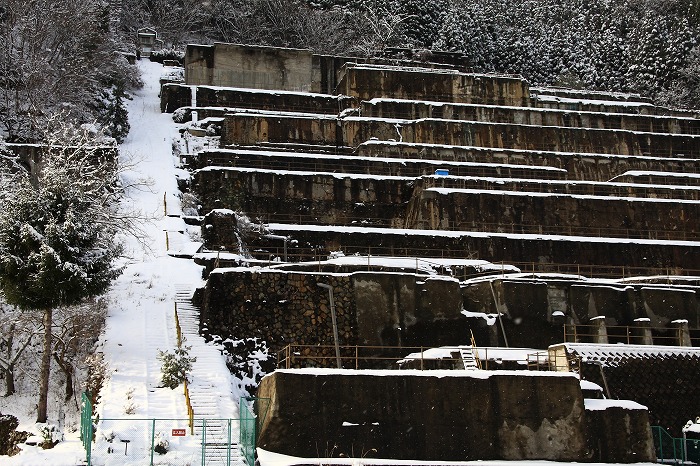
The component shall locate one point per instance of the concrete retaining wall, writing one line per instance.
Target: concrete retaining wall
(250, 129)
(579, 166)
(388, 108)
(433, 417)
(367, 82)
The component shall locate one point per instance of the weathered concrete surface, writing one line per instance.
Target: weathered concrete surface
(275, 159)
(373, 308)
(414, 110)
(252, 129)
(305, 197)
(366, 82)
(643, 256)
(420, 416)
(621, 304)
(174, 96)
(259, 67)
(249, 129)
(552, 213)
(394, 309)
(620, 435)
(579, 166)
(249, 66)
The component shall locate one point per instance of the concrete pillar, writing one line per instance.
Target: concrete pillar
(642, 331)
(682, 332)
(600, 331)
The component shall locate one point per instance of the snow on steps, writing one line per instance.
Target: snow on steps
(210, 391)
(468, 358)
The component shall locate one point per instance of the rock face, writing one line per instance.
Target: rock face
(421, 416)
(9, 436)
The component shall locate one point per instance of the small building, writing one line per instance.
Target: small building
(147, 41)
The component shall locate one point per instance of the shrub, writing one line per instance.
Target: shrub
(167, 54)
(175, 366)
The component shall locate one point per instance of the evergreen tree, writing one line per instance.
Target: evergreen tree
(56, 237)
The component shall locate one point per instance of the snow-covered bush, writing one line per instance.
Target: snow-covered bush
(50, 435)
(161, 444)
(167, 54)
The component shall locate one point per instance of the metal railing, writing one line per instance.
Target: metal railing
(629, 334)
(188, 402)
(668, 448)
(415, 357)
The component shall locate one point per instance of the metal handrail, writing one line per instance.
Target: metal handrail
(292, 356)
(628, 333)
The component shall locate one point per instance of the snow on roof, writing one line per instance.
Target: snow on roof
(268, 458)
(563, 128)
(426, 264)
(594, 404)
(281, 114)
(611, 355)
(587, 385)
(607, 184)
(607, 103)
(692, 426)
(284, 227)
(405, 69)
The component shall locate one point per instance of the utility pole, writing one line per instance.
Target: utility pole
(335, 323)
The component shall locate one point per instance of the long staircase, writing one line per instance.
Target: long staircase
(215, 413)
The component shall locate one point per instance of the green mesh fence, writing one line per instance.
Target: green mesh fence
(172, 442)
(248, 433)
(668, 448)
(86, 423)
(166, 442)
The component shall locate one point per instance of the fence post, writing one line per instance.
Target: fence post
(228, 445)
(153, 439)
(204, 441)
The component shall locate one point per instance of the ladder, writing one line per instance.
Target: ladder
(469, 355)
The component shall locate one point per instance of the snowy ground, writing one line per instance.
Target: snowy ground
(140, 319)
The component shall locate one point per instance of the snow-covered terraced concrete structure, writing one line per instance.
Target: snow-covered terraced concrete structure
(433, 163)
(501, 143)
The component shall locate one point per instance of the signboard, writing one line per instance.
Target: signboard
(179, 432)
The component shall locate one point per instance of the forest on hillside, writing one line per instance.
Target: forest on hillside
(68, 56)
(651, 47)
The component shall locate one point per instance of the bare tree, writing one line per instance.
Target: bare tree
(76, 328)
(18, 328)
(55, 56)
